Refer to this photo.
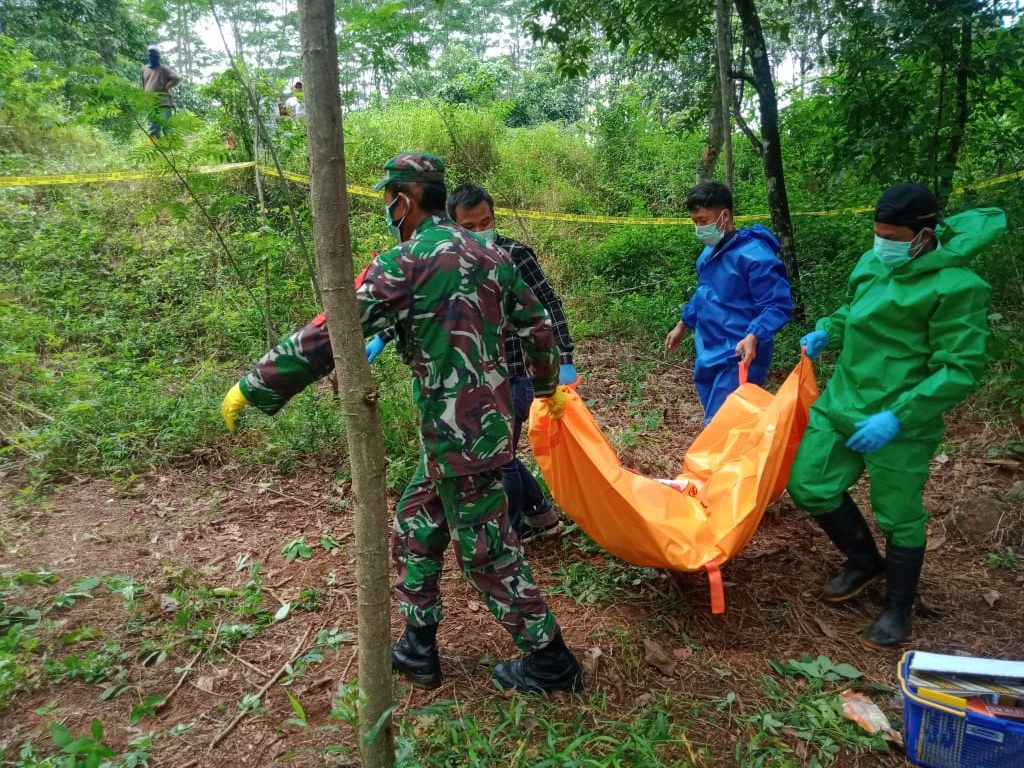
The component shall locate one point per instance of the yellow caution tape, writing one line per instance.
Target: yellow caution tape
(360, 191)
(1014, 176)
(89, 178)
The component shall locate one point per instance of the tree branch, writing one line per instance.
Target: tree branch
(742, 76)
(742, 123)
(747, 131)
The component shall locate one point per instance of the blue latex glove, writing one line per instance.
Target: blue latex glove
(374, 348)
(567, 373)
(815, 341)
(874, 432)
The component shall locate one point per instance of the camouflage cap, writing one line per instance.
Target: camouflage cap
(412, 166)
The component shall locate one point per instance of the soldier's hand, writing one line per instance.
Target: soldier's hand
(234, 402)
(374, 347)
(556, 403)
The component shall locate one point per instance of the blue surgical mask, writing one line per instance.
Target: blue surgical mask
(895, 253)
(710, 234)
(487, 235)
(394, 227)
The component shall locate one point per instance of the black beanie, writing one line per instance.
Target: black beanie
(908, 205)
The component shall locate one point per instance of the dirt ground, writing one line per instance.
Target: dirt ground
(200, 518)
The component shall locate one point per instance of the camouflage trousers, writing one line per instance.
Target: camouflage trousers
(473, 511)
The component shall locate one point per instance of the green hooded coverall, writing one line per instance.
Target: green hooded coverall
(911, 340)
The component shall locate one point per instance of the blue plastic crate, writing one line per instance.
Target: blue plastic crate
(940, 736)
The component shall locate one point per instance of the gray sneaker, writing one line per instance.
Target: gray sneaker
(531, 532)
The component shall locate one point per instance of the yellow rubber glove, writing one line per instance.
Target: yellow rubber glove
(234, 402)
(556, 403)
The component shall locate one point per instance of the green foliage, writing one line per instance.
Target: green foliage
(807, 710)
(596, 577)
(1006, 559)
(895, 93)
(296, 548)
(820, 668)
(536, 733)
(120, 384)
(14, 645)
(28, 89)
(87, 751)
(112, 34)
(653, 29)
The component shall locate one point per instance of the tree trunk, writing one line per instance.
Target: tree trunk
(963, 72)
(709, 156)
(940, 117)
(723, 45)
(774, 178)
(362, 419)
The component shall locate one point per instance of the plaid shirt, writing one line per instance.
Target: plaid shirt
(526, 262)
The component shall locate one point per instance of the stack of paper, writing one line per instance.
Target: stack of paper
(990, 686)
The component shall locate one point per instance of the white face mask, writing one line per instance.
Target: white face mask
(710, 234)
(487, 235)
(896, 253)
(892, 253)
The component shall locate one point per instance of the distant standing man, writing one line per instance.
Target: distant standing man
(532, 515)
(296, 103)
(159, 78)
(742, 298)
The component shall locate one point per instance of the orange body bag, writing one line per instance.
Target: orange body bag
(737, 466)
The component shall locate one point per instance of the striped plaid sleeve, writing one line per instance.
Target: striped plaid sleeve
(526, 262)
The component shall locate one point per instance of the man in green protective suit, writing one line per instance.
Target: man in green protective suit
(911, 342)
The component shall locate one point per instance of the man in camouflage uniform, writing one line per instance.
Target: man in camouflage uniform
(449, 296)
(531, 514)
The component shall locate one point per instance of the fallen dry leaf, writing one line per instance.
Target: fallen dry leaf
(474, 606)
(655, 655)
(991, 597)
(680, 654)
(205, 684)
(826, 629)
(168, 603)
(935, 542)
(591, 661)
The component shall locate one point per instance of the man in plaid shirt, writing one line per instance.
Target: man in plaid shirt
(531, 514)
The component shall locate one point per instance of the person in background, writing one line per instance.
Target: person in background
(159, 78)
(450, 298)
(911, 342)
(296, 103)
(742, 298)
(532, 515)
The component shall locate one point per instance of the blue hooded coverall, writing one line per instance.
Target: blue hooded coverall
(742, 288)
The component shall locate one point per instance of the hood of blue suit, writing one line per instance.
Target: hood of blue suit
(751, 234)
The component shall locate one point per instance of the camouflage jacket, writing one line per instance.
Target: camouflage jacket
(450, 298)
(529, 267)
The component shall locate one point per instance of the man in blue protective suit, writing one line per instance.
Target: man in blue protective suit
(741, 302)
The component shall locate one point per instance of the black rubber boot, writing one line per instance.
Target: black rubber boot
(415, 656)
(551, 668)
(851, 535)
(902, 572)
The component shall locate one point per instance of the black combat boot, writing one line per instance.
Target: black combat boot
(902, 572)
(415, 656)
(551, 668)
(850, 533)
